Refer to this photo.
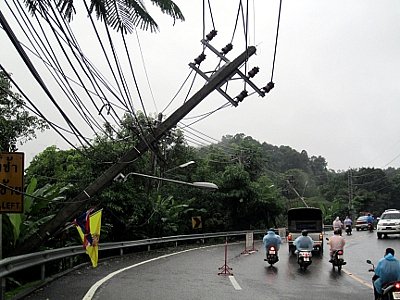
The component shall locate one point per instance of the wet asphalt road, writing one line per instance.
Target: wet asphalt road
(194, 275)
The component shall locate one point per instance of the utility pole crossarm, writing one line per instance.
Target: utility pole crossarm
(202, 74)
(78, 202)
(243, 76)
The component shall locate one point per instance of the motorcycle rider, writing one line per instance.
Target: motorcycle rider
(347, 222)
(336, 242)
(370, 220)
(387, 270)
(337, 224)
(272, 239)
(303, 242)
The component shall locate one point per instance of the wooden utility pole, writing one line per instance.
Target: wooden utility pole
(75, 205)
(350, 184)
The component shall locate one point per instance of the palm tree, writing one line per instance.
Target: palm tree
(121, 15)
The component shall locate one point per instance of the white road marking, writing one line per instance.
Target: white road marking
(358, 279)
(234, 282)
(90, 293)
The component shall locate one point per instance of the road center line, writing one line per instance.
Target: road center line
(357, 279)
(234, 283)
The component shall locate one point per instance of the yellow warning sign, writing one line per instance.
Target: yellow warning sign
(11, 182)
(196, 223)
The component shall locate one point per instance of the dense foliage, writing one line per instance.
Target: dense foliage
(17, 126)
(257, 182)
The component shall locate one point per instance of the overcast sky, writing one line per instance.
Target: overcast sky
(337, 75)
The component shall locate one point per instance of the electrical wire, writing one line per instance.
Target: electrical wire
(37, 110)
(81, 81)
(145, 71)
(276, 39)
(38, 78)
(177, 93)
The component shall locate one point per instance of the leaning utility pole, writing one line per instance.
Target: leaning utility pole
(225, 73)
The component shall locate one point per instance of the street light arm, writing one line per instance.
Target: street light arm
(205, 185)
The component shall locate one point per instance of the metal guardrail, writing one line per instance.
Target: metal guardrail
(13, 264)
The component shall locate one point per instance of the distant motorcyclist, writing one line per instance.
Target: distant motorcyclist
(387, 270)
(337, 224)
(303, 242)
(272, 239)
(347, 222)
(370, 219)
(336, 242)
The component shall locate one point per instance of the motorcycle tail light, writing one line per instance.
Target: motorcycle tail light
(289, 237)
(272, 248)
(397, 285)
(340, 252)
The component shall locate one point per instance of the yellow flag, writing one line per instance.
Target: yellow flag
(92, 249)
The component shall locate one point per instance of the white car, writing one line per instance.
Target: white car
(389, 223)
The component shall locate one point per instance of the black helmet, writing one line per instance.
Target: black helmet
(304, 232)
(271, 229)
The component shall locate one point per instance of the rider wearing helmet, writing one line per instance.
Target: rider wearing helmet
(303, 242)
(271, 239)
(336, 242)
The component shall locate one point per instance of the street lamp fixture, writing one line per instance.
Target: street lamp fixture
(181, 166)
(200, 184)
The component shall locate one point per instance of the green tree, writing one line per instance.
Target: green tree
(121, 15)
(238, 194)
(16, 125)
(269, 205)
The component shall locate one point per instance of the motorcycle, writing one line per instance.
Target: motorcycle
(272, 255)
(390, 290)
(304, 258)
(337, 260)
(348, 229)
(370, 227)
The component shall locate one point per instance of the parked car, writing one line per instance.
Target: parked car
(361, 223)
(389, 223)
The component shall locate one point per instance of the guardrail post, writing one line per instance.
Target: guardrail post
(42, 271)
(2, 288)
(71, 262)
(121, 251)
(148, 247)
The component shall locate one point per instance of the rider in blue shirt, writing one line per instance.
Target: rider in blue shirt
(370, 219)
